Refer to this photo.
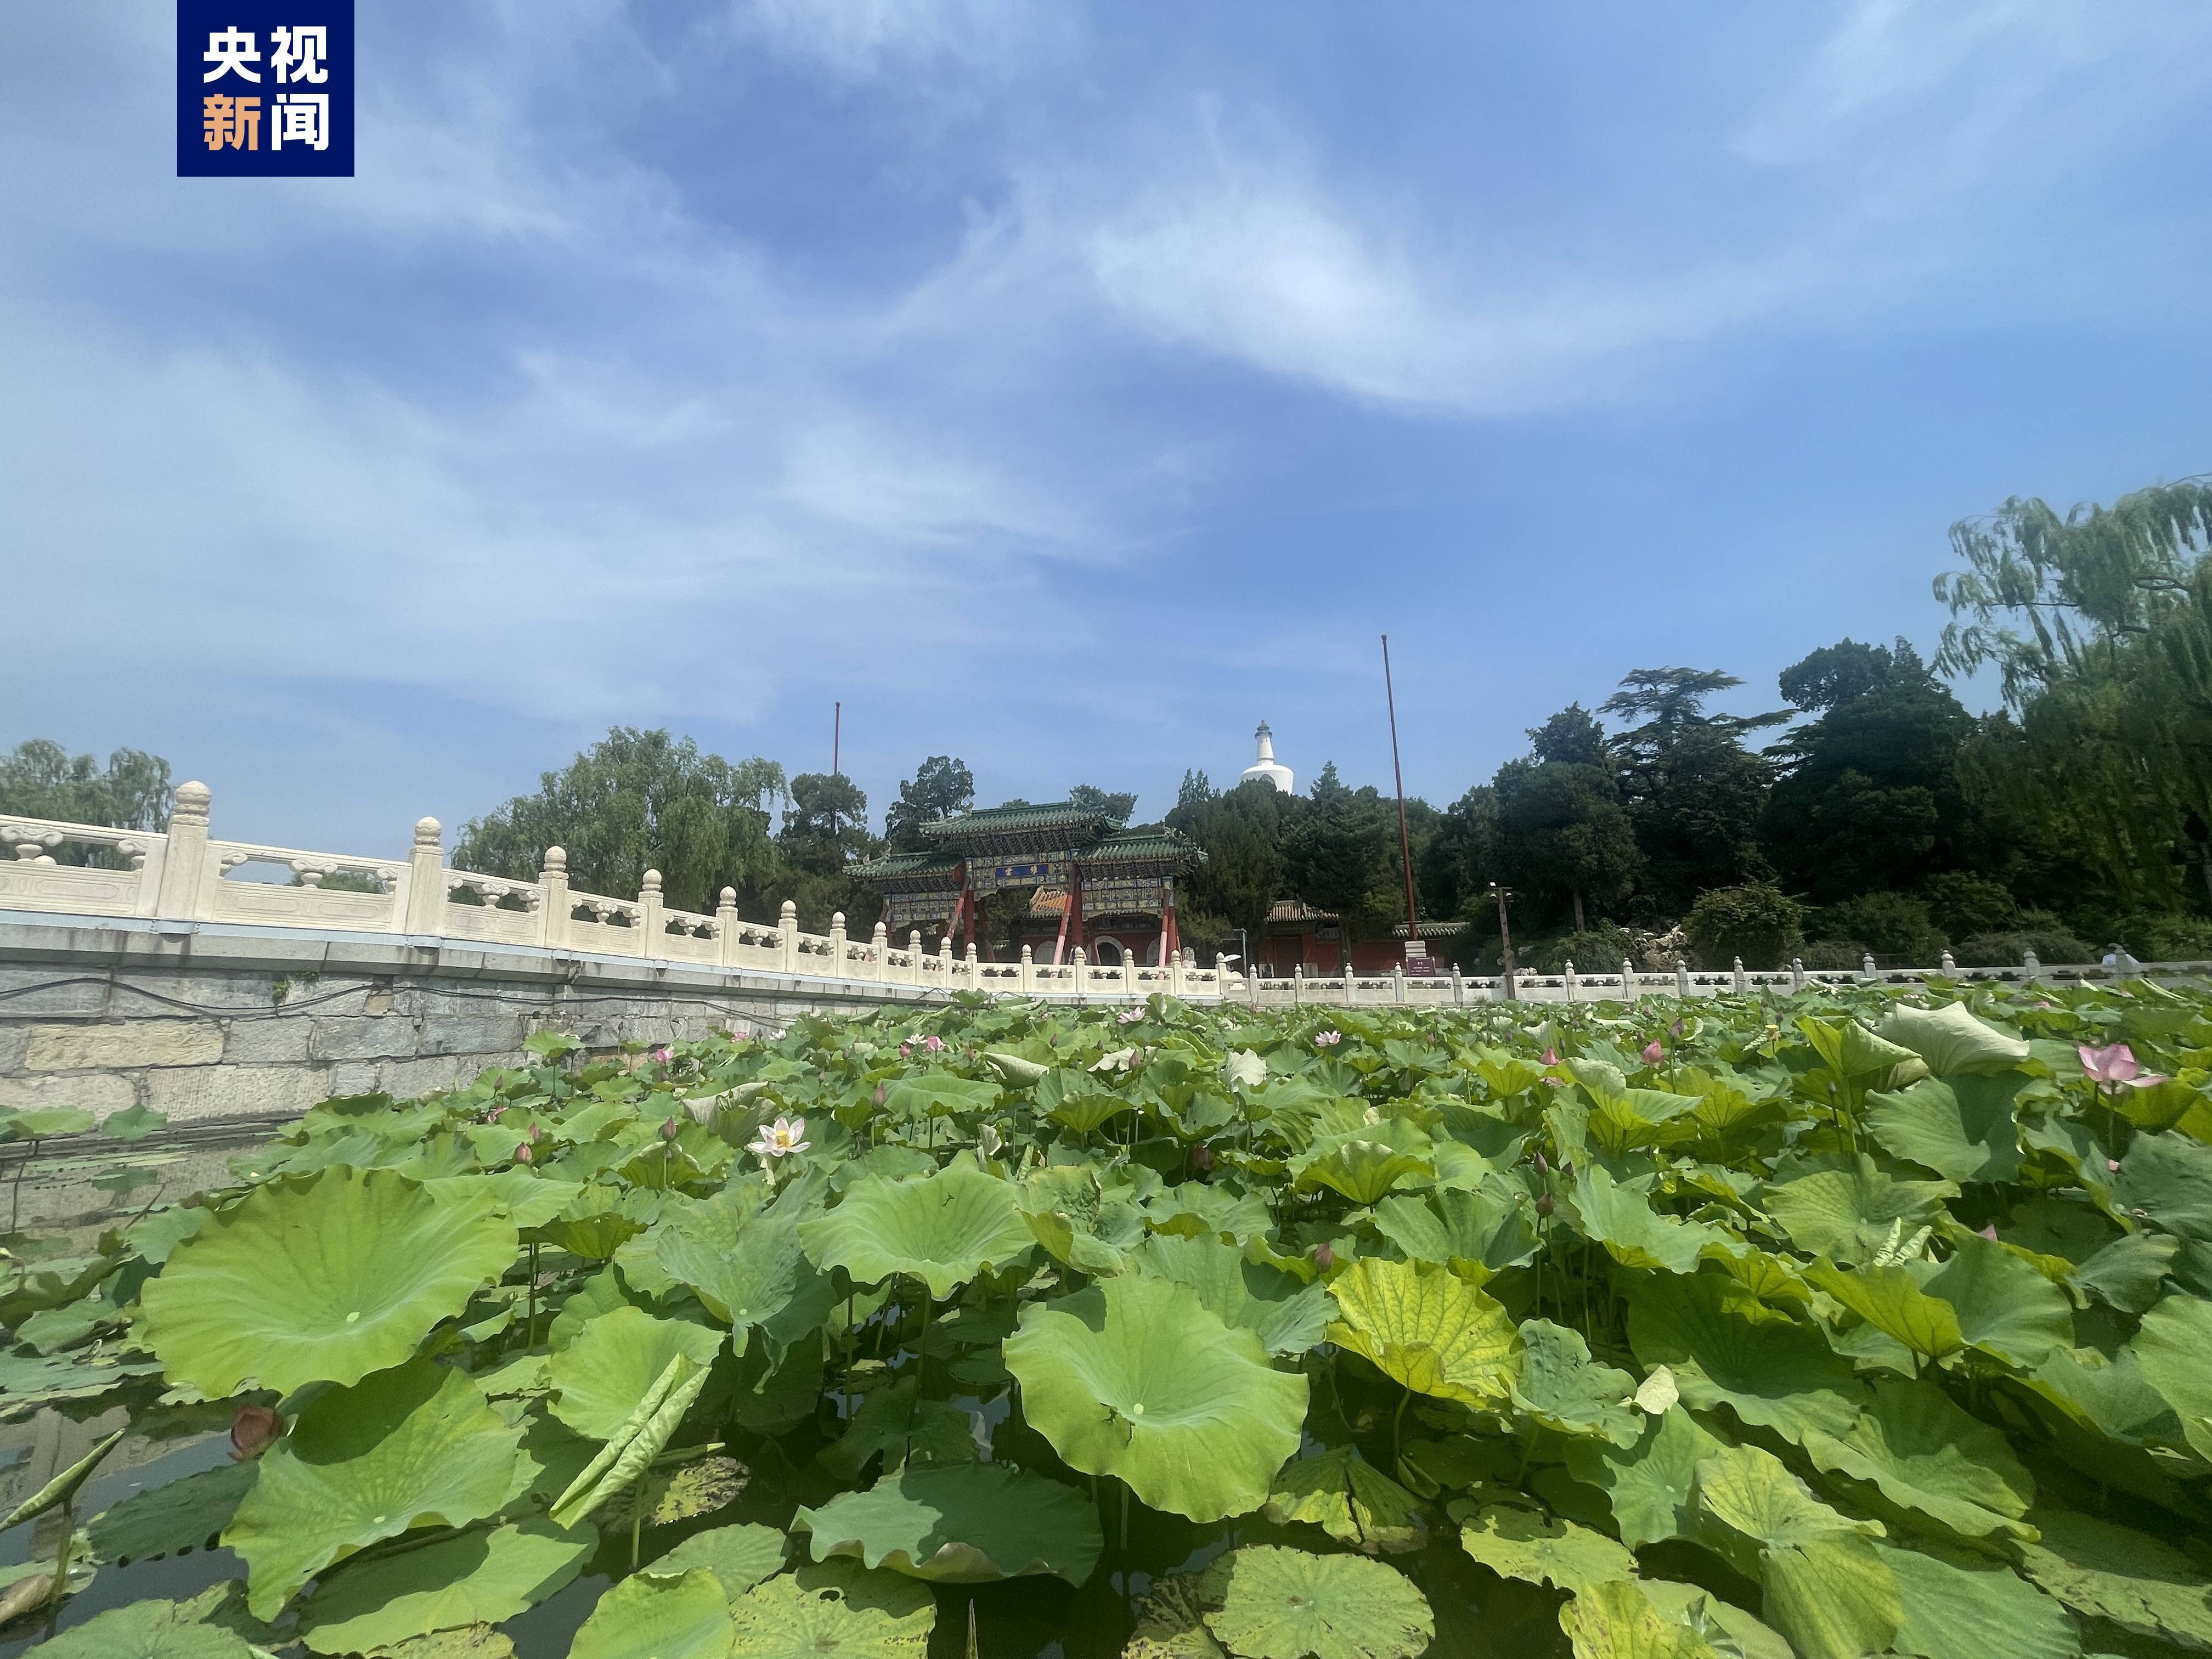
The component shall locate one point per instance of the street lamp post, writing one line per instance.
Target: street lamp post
(1504, 936)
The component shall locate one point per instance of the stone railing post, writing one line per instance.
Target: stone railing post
(1867, 968)
(975, 968)
(553, 903)
(1628, 987)
(1459, 988)
(726, 924)
(184, 863)
(1681, 977)
(426, 881)
(1950, 962)
(786, 928)
(1569, 978)
(1397, 981)
(1743, 984)
(1297, 985)
(1796, 975)
(651, 917)
(914, 957)
(880, 945)
(1082, 974)
(2029, 967)
(1028, 970)
(838, 967)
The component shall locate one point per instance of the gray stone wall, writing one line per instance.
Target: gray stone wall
(209, 1024)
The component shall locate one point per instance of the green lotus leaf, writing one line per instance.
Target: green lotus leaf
(1362, 1170)
(1616, 1620)
(965, 1523)
(939, 1094)
(1951, 1040)
(836, 1606)
(1426, 1327)
(27, 1380)
(2129, 1272)
(1961, 1127)
(634, 1442)
(1848, 1214)
(747, 1269)
(1350, 1500)
(602, 1292)
(1958, 1606)
(132, 1123)
(1726, 1348)
(942, 1229)
(1652, 1485)
(1619, 1215)
(1851, 1049)
(2168, 1179)
(40, 1122)
(1171, 1624)
(2175, 1348)
(1563, 1389)
(1492, 1226)
(324, 1278)
(1280, 1603)
(603, 1374)
(1078, 1220)
(1289, 1317)
(1891, 1300)
(1751, 1494)
(2105, 1571)
(1641, 1118)
(146, 1630)
(1833, 1598)
(168, 1520)
(739, 1557)
(526, 1198)
(479, 1577)
(1725, 1625)
(414, 1446)
(1925, 1454)
(462, 1641)
(2006, 1306)
(2107, 1394)
(1518, 1543)
(894, 1423)
(1136, 1377)
(646, 1616)
(682, 1494)
(1196, 1210)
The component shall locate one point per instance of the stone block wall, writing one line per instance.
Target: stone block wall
(212, 1025)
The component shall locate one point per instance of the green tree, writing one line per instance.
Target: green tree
(1693, 790)
(40, 779)
(1870, 798)
(635, 801)
(1341, 850)
(824, 833)
(1244, 831)
(1117, 806)
(1757, 923)
(941, 787)
(1563, 835)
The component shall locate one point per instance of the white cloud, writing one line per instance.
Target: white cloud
(859, 40)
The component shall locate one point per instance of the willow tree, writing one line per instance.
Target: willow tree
(2098, 624)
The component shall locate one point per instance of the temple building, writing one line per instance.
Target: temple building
(1266, 768)
(1097, 885)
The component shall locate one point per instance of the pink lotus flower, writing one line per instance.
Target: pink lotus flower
(1202, 1157)
(1129, 1016)
(252, 1432)
(1327, 1039)
(2115, 1067)
(662, 1056)
(1551, 1056)
(1990, 1232)
(905, 1053)
(522, 1153)
(934, 1044)
(1653, 1054)
(2112, 1165)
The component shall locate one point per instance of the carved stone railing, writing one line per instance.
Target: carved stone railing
(186, 877)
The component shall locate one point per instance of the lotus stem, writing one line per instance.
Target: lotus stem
(530, 1329)
(636, 1519)
(1125, 1518)
(16, 1196)
(1397, 1431)
(62, 1554)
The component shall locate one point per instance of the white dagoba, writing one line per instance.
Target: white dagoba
(1266, 767)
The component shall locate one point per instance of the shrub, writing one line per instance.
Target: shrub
(1961, 903)
(1757, 921)
(2165, 935)
(1833, 955)
(2051, 945)
(1599, 949)
(1894, 926)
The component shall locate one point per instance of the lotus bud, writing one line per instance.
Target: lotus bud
(1542, 1167)
(1990, 1232)
(1201, 1157)
(878, 1095)
(536, 1131)
(2112, 1165)
(1545, 1203)
(668, 1130)
(522, 1153)
(1324, 1258)
(1566, 1166)
(1653, 1054)
(1675, 1030)
(252, 1432)
(1551, 1056)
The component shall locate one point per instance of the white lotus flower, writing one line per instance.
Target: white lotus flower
(779, 1139)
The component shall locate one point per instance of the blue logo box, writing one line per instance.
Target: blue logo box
(264, 88)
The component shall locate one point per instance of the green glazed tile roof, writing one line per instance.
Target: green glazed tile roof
(995, 820)
(908, 864)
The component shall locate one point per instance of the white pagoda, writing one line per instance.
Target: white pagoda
(1266, 767)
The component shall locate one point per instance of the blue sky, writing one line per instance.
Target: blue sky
(1062, 387)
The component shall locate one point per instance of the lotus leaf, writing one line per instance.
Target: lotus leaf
(900, 1426)
(1891, 1300)
(1362, 1170)
(1726, 1348)
(2105, 1571)
(1492, 1226)
(2174, 1349)
(739, 1557)
(1172, 1622)
(965, 1523)
(1517, 1543)
(1952, 1039)
(168, 1520)
(1958, 1606)
(527, 1199)
(132, 1123)
(1851, 1050)
(414, 1446)
(1425, 1327)
(634, 1442)
(1136, 1377)
(1652, 1485)
(1352, 1502)
(1616, 1620)
(834, 1607)
(1285, 1604)
(604, 1372)
(1287, 1316)
(2129, 1272)
(2168, 1180)
(1849, 1214)
(323, 1279)
(1925, 1454)
(746, 1269)
(1195, 1210)
(1751, 1493)
(1724, 1624)
(1619, 1215)
(2006, 1307)
(650, 1617)
(942, 1229)
(1961, 1127)
(1833, 1598)
(1563, 1389)
(479, 1577)
(146, 1630)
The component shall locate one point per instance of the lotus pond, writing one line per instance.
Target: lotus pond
(1845, 1324)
